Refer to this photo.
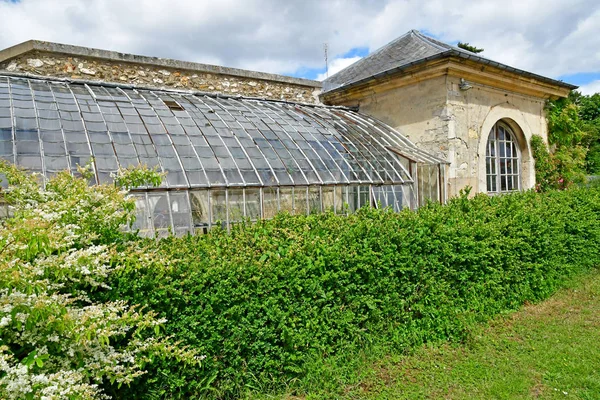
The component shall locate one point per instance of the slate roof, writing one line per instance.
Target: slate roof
(200, 140)
(410, 49)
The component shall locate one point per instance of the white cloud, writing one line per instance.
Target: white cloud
(590, 88)
(337, 65)
(550, 37)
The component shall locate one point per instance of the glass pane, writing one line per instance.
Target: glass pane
(143, 219)
(180, 212)
(252, 204)
(340, 199)
(270, 202)
(352, 198)
(408, 196)
(219, 206)
(159, 209)
(235, 202)
(286, 200)
(398, 197)
(314, 200)
(377, 196)
(200, 211)
(434, 182)
(363, 196)
(328, 198)
(300, 200)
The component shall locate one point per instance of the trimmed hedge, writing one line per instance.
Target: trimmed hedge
(262, 301)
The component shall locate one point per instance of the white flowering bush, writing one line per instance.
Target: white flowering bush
(58, 247)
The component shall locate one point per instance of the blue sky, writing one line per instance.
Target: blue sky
(553, 38)
(314, 73)
(581, 78)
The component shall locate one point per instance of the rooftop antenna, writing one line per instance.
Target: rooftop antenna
(326, 60)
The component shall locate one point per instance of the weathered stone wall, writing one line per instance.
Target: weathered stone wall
(97, 69)
(418, 111)
(474, 112)
(454, 124)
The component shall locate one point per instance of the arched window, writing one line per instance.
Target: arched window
(502, 159)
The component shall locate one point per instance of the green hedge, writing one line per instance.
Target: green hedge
(262, 301)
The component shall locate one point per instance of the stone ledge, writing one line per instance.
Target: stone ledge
(87, 52)
(55, 65)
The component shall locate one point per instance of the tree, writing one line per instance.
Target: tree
(468, 47)
(574, 139)
(589, 112)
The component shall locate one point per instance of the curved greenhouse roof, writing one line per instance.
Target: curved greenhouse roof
(199, 140)
(225, 158)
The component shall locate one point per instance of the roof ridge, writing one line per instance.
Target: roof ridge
(432, 41)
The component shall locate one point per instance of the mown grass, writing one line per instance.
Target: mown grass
(549, 350)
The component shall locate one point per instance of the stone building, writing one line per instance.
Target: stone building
(477, 114)
(415, 120)
(233, 144)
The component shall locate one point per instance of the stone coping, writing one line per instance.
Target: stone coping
(216, 95)
(71, 50)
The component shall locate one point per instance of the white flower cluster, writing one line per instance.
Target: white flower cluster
(54, 251)
(19, 381)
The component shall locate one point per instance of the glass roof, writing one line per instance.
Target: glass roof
(199, 140)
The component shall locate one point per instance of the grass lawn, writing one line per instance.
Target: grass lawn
(549, 350)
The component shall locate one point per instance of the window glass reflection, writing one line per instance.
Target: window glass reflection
(158, 207)
(235, 203)
(180, 212)
(252, 204)
(286, 200)
(328, 198)
(314, 200)
(200, 210)
(218, 202)
(300, 201)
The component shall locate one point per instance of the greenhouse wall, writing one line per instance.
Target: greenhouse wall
(224, 159)
(160, 213)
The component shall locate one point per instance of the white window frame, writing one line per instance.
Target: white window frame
(493, 162)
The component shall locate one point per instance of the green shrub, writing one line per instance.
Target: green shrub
(55, 251)
(562, 168)
(267, 299)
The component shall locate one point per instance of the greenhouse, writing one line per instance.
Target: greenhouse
(225, 159)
